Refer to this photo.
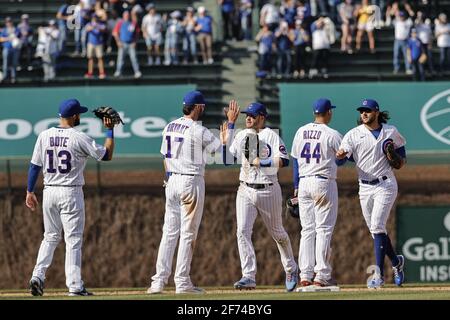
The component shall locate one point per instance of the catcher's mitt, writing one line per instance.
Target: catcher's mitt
(108, 112)
(292, 207)
(251, 146)
(394, 159)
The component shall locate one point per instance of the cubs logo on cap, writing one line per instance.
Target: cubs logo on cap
(369, 104)
(255, 109)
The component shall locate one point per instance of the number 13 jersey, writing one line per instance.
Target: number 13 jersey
(315, 147)
(62, 153)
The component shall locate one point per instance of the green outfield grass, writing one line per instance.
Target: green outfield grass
(389, 292)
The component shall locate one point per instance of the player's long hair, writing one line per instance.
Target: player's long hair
(383, 117)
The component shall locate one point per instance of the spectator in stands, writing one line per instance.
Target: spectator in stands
(189, 37)
(173, 32)
(9, 38)
(396, 6)
(101, 10)
(246, 18)
(63, 14)
(319, 7)
(425, 35)
(266, 42)
(269, 15)
(283, 36)
(347, 19)
(110, 25)
(288, 10)
(236, 30)
(50, 50)
(365, 14)
(402, 25)
(416, 56)
(227, 9)
(204, 31)
(26, 37)
(152, 31)
(81, 16)
(301, 40)
(95, 32)
(442, 34)
(126, 33)
(321, 43)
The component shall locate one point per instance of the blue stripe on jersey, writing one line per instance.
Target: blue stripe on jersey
(296, 173)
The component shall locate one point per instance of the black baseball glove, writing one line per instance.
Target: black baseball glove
(108, 112)
(292, 207)
(394, 159)
(251, 147)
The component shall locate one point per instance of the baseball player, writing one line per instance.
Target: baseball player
(185, 143)
(373, 146)
(314, 154)
(259, 191)
(62, 152)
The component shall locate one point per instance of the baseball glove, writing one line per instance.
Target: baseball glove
(251, 147)
(292, 207)
(394, 159)
(108, 112)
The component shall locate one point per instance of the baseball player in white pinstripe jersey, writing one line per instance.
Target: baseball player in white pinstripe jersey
(185, 144)
(62, 152)
(259, 191)
(366, 146)
(314, 153)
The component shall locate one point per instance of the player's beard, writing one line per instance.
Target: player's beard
(76, 122)
(370, 118)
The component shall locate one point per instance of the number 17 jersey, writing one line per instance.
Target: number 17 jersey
(62, 153)
(314, 147)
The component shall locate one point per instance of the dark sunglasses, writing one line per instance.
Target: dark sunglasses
(361, 111)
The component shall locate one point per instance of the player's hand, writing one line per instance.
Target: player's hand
(107, 122)
(31, 201)
(340, 154)
(256, 163)
(232, 112)
(295, 192)
(224, 133)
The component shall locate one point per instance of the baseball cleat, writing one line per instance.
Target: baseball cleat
(325, 283)
(291, 280)
(375, 283)
(155, 290)
(305, 283)
(82, 293)
(246, 284)
(193, 290)
(36, 287)
(399, 274)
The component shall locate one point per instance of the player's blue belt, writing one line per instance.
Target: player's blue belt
(314, 175)
(257, 185)
(375, 181)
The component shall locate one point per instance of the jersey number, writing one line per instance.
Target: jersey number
(306, 152)
(178, 141)
(65, 158)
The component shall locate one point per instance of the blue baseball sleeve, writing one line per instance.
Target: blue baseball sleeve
(33, 174)
(295, 173)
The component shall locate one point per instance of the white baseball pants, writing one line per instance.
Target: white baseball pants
(318, 204)
(376, 203)
(268, 203)
(185, 196)
(63, 209)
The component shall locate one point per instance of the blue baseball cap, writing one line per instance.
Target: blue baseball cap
(322, 105)
(193, 97)
(369, 104)
(255, 109)
(70, 107)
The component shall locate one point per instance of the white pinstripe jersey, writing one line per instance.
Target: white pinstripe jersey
(371, 162)
(315, 147)
(185, 145)
(271, 146)
(62, 153)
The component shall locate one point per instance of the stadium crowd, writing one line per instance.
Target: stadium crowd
(294, 39)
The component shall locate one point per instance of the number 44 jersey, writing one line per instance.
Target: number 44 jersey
(62, 153)
(315, 147)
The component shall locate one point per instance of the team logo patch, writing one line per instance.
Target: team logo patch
(283, 150)
(265, 152)
(385, 143)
